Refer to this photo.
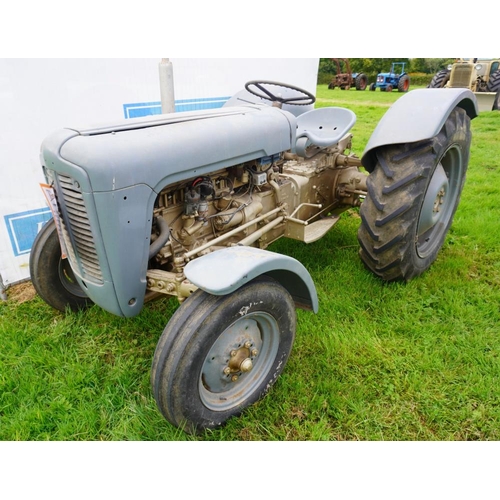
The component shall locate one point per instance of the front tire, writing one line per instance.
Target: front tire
(219, 355)
(413, 194)
(51, 275)
(496, 102)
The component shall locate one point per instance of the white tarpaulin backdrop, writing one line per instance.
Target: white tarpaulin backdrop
(38, 96)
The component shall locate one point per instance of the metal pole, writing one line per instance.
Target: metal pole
(255, 236)
(166, 71)
(225, 236)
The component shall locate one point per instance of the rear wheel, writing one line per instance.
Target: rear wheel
(404, 83)
(439, 80)
(51, 275)
(218, 355)
(361, 81)
(494, 82)
(413, 193)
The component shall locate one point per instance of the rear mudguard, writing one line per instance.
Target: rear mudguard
(417, 116)
(224, 271)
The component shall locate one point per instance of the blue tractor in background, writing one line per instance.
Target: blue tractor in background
(388, 81)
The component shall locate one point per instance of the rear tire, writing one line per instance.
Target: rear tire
(440, 79)
(220, 354)
(404, 83)
(413, 194)
(51, 275)
(361, 81)
(494, 82)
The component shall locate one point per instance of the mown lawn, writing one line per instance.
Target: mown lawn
(416, 361)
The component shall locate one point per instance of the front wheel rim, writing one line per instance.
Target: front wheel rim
(439, 202)
(239, 361)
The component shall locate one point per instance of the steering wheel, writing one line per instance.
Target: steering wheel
(305, 98)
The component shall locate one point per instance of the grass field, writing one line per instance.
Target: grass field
(416, 361)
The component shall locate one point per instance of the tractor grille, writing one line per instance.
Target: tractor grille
(80, 229)
(461, 75)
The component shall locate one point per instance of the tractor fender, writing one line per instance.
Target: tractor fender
(224, 271)
(417, 116)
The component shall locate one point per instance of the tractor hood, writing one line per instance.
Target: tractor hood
(168, 148)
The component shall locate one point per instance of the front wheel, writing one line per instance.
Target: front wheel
(219, 355)
(52, 276)
(413, 193)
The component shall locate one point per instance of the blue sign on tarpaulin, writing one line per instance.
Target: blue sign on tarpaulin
(138, 109)
(23, 228)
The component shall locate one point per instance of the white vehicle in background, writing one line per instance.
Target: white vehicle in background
(480, 75)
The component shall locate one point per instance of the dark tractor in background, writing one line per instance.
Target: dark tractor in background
(345, 78)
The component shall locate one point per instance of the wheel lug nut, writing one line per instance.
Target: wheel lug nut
(234, 378)
(248, 345)
(227, 370)
(254, 352)
(233, 354)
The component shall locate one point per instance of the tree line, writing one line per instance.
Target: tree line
(381, 65)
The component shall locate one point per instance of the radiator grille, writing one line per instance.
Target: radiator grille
(80, 229)
(461, 75)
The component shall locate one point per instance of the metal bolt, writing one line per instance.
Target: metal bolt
(234, 378)
(233, 354)
(248, 345)
(254, 352)
(227, 370)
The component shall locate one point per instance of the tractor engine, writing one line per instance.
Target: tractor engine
(252, 204)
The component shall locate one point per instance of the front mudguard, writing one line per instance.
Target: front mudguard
(224, 271)
(417, 116)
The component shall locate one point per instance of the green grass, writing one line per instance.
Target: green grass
(416, 361)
